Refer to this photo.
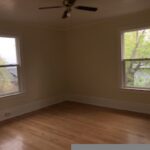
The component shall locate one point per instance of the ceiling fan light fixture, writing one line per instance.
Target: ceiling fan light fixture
(68, 14)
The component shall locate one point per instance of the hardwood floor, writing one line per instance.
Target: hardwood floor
(59, 126)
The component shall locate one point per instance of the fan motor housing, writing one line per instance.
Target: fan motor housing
(69, 3)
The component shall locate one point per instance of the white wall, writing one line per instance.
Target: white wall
(93, 63)
(42, 66)
(82, 64)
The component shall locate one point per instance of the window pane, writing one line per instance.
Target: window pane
(8, 51)
(137, 44)
(8, 80)
(137, 73)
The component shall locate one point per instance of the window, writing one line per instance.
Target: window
(136, 59)
(9, 67)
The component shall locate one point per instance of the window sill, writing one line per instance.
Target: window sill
(11, 95)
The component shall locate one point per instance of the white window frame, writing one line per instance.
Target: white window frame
(18, 66)
(123, 82)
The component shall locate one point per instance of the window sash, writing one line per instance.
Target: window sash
(18, 78)
(139, 59)
(124, 82)
(123, 61)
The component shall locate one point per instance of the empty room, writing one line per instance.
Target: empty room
(74, 72)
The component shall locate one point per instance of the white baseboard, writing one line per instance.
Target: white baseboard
(28, 107)
(36, 105)
(121, 105)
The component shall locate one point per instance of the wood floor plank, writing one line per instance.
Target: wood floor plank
(59, 126)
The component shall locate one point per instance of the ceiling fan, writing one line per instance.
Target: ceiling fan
(69, 4)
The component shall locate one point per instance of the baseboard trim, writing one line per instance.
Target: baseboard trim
(28, 107)
(39, 104)
(121, 105)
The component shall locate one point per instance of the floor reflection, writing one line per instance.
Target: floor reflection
(15, 143)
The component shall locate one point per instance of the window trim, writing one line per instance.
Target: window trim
(18, 65)
(122, 61)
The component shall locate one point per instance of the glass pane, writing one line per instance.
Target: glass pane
(8, 51)
(137, 44)
(8, 80)
(137, 73)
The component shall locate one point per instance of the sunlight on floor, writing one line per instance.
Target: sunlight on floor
(15, 143)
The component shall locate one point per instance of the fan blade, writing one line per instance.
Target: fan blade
(51, 7)
(86, 8)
